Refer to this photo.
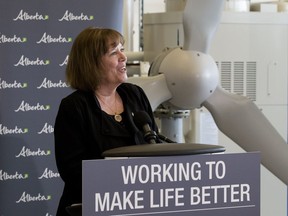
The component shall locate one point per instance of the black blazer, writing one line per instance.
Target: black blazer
(83, 131)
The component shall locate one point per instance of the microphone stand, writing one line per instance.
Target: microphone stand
(150, 137)
(165, 139)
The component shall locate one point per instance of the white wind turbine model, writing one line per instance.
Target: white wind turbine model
(187, 78)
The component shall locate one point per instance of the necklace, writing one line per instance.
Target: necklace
(117, 117)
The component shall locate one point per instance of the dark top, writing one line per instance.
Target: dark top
(83, 131)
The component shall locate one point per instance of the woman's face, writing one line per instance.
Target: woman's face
(114, 66)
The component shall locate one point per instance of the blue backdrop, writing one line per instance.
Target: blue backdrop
(35, 40)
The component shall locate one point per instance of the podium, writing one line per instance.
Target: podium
(172, 182)
(163, 149)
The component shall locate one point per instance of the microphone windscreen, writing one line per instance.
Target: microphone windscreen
(141, 118)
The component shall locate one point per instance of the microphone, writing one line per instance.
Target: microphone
(143, 122)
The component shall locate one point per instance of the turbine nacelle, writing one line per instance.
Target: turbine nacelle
(191, 77)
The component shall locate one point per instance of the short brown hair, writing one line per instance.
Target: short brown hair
(84, 67)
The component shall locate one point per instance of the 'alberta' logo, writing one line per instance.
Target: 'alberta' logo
(24, 107)
(14, 85)
(5, 130)
(68, 16)
(46, 83)
(26, 152)
(5, 176)
(48, 174)
(14, 39)
(29, 198)
(24, 16)
(65, 61)
(48, 129)
(46, 38)
(24, 61)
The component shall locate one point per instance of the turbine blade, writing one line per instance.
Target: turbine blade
(155, 88)
(242, 121)
(200, 21)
